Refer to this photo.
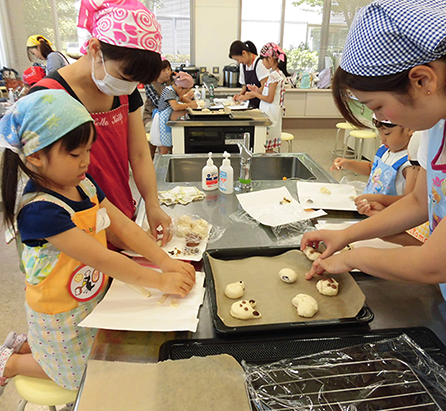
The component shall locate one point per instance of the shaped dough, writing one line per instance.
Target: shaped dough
(287, 275)
(325, 190)
(328, 286)
(244, 310)
(305, 304)
(235, 290)
(311, 253)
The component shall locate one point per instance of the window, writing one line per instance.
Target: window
(298, 26)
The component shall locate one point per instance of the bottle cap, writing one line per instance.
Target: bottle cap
(210, 162)
(226, 160)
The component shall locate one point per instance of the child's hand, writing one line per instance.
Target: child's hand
(193, 104)
(339, 164)
(178, 266)
(249, 95)
(176, 283)
(366, 207)
(253, 87)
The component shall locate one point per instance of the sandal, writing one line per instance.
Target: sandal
(15, 341)
(5, 353)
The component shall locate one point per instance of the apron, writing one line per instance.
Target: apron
(165, 130)
(436, 180)
(251, 78)
(383, 176)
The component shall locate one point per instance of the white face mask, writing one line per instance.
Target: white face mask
(113, 86)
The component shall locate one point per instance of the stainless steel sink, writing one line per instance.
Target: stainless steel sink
(297, 166)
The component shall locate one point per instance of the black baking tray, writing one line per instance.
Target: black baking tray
(266, 350)
(364, 316)
(197, 115)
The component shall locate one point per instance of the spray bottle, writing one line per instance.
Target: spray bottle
(209, 175)
(226, 182)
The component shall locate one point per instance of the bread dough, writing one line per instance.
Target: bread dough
(325, 190)
(200, 228)
(348, 247)
(328, 286)
(306, 305)
(235, 290)
(311, 253)
(140, 290)
(162, 299)
(244, 310)
(287, 275)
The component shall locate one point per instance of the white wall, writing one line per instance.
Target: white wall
(217, 25)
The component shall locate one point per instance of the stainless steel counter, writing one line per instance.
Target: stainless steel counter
(394, 304)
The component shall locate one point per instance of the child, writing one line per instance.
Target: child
(42, 48)
(252, 70)
(61, 221)
(272, 96)
(168, 103)
(390, 169)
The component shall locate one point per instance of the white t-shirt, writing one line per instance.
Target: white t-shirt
(422, 150)
(261, 71)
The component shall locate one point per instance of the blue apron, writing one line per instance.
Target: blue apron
(383, 176)
(436, 181)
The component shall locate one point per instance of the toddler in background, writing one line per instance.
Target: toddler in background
(273, 93)
(160, 132)
(61, 220)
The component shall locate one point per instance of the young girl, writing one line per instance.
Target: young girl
(105, 81)
(272, 96)
(61, 221)
(407, 88)
(252, 70)
(40, 47)
(168, 104)
(388, 172)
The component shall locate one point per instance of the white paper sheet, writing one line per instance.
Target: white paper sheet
(265, 206)
(125, 309)
(341, 197)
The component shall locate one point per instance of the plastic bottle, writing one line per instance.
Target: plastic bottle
(209, 175)
(203, 92)
(211, 93)
(11, 96)
(226, 181)
(197, 94)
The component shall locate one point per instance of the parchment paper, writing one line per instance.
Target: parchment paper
(198, 384)
(273, 296)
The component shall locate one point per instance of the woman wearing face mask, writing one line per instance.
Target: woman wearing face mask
(104, 80)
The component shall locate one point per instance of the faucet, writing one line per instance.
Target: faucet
(244, 181)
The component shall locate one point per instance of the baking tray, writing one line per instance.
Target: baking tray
(197, 114)
(364, 316)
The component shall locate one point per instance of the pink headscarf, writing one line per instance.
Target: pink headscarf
(125, 23)
(184, 80)
(272, 50)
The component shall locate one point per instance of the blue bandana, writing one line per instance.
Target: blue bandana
(390, 36)
(39, 119)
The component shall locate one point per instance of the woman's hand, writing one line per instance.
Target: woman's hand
(157, 217)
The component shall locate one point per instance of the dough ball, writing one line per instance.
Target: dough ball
(185, 220)
(325, 190)
(235, 290)
(200, 228)
(306, 305)
(205, 110)
(287, 275)
(244, 310)
(311, 253)
(328, 286)
(184, 226)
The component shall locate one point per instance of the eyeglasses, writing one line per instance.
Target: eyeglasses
(379, 124)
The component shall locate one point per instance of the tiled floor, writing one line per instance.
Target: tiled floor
(318, 143)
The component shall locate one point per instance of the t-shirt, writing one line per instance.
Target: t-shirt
(422, 150)
(167, 94)
(261, 71)
(42, 219)
(55, 61)
(135, 99)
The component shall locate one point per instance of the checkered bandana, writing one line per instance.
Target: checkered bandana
(390, 36)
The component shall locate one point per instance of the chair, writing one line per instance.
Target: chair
(361, 135)
(288, 137)
(42, 392)
(343, 126)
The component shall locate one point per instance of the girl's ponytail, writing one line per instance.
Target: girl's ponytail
(251, 47)
(282, 66)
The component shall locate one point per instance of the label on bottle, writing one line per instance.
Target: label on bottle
(223, 180)
(211, 180)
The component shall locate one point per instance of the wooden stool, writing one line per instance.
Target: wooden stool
(342, 126)
(288, 137)
(42, 392)
(361, 135)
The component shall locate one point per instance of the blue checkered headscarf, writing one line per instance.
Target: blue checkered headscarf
(390, 36)
(39, 119)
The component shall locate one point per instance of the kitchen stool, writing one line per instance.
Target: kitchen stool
(361, 135)
(41, 391)
(288, 137)
(342, 126)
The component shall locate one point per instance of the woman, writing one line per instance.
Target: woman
(252, 70)
(394, 61)
(120, 54)
(41, 48)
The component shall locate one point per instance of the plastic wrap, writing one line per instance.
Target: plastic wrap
(359, 185)
(392, 374)
(241, 216)
(291, 234)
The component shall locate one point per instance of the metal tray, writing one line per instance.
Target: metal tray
(364, 316)
(197, 114)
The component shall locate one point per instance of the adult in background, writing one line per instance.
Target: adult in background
(41, 48)
(120, 54)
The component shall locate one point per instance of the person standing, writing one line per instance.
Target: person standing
(41, 48)
(252, 70)
(120, 54)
